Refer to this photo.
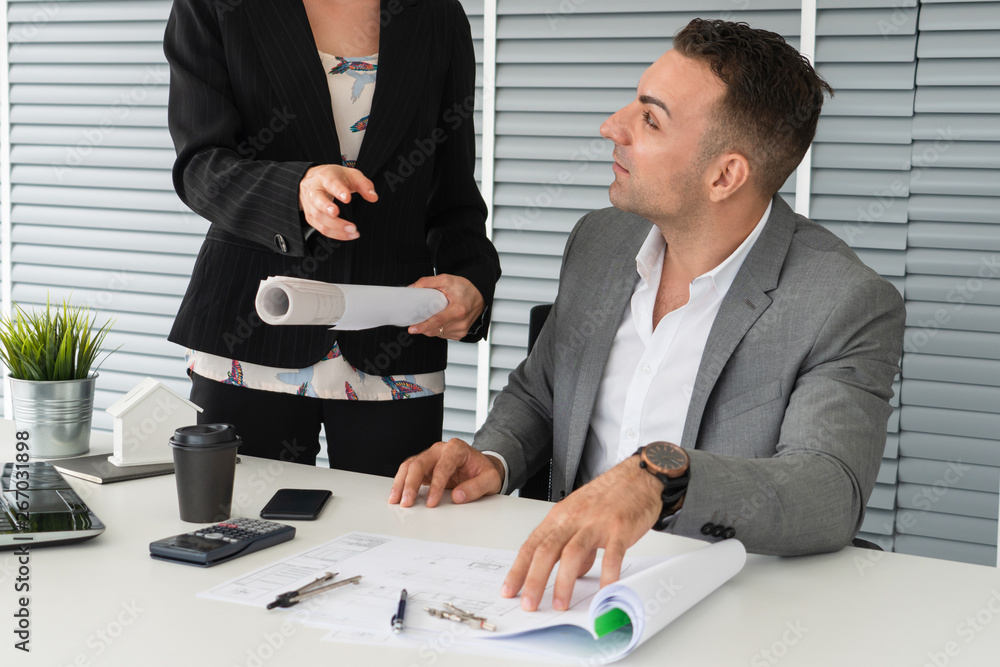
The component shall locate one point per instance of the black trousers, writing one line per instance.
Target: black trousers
(362, 436)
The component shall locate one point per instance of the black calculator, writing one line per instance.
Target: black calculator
(224, 541)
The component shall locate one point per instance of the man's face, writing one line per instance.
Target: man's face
(658, 166)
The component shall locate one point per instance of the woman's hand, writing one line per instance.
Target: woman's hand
(465, 305)
(320, 190)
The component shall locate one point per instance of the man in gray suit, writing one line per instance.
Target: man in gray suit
(748, 334)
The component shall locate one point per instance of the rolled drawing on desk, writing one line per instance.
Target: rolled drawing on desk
(601, 625)
(286, 300)
(623, 615)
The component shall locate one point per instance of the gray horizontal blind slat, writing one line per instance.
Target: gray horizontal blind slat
(967, 450)
(29, 13)
(964, 475)
(90, 115)
(83, 137)
(963, 44)
(137, 179)
(68, 32)
(127, 261)
(941, 288)
(558, 8)
(86, 53)
(618, 24)
(967, 552)
(57, 157)
(39, 93)
(960, 16)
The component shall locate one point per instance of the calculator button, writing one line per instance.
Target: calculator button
(212, 536)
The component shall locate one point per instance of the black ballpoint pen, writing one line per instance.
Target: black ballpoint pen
(397, 620)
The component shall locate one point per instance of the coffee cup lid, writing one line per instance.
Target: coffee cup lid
(204, 435)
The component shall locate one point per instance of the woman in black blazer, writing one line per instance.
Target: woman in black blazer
(259, 156)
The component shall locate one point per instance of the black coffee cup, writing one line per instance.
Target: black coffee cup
(205, 466)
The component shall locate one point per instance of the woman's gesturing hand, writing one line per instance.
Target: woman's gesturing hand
(320, 190)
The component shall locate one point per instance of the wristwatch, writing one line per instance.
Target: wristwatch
(669, 464)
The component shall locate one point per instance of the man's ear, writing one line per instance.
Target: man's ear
(729, 173)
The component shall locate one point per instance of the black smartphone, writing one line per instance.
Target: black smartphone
(302, 504)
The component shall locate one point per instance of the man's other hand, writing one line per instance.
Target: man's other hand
(611, 512)
(447, 465)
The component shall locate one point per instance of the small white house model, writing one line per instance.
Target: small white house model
(145, 420)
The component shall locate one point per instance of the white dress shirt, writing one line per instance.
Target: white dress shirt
(647, 382)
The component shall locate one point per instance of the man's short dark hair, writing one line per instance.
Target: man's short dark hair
(772, 101)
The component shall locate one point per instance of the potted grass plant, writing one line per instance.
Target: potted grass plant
(50, 356)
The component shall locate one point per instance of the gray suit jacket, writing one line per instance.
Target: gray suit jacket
(786, 424)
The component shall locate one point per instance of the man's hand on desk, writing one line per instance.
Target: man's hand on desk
(447, 465)
(611, 512)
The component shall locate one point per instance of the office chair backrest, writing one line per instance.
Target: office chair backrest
(539, 485)
(536, 319)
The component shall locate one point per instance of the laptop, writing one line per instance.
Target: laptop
(55, 513)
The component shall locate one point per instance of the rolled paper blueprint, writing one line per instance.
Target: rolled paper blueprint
(287, 300)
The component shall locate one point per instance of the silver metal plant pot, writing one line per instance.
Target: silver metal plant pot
(55, 414)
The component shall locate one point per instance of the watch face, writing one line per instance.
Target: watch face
(665, 456)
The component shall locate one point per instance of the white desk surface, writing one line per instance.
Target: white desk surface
(106, 602)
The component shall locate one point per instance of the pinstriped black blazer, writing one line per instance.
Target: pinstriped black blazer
(250, 112)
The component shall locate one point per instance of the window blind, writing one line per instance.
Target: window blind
(562, 69)
(949, 466)
(94, 216)
(861, 164)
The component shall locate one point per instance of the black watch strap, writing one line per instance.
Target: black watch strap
(674, 489)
